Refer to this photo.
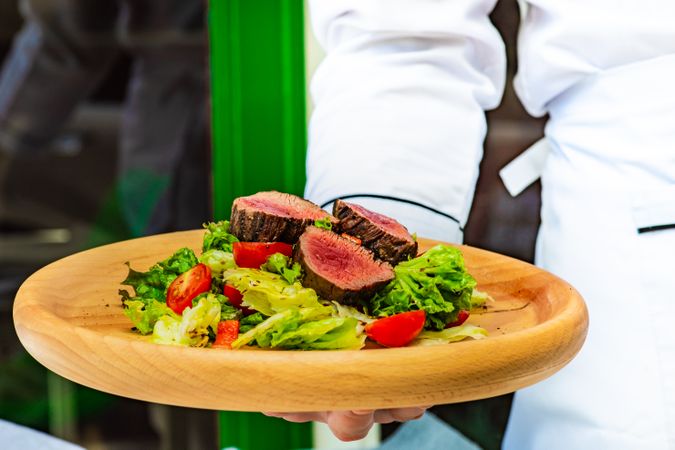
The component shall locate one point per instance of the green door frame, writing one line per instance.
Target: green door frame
(258, 143)
(258, 98)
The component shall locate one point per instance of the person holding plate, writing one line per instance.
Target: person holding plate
(399, 127)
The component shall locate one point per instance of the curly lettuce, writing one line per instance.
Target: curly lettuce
(227, 310)
(281, 264)
(145, 315)
(218, 237)
(191, 329)
(305, 329)
(268, 292)
(324, 223)
(296, 319)
(454, 334)
(218, 261)
(152, 285)
(248, 322)
(436, 282)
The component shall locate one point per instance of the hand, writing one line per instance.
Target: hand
(353, 425)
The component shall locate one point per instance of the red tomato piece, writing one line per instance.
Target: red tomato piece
(235, 297)
(461, 318)
(252, 255)
(187, 286)
(397, 330)
(228, 330)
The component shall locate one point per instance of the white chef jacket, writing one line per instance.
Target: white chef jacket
(399, 127)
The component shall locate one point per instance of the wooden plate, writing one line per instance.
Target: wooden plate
(69, 317)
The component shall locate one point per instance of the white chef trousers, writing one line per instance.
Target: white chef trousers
(608, 228)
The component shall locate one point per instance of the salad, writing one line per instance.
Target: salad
(306, 295)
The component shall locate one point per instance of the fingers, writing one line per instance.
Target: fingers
(362, 412)
(299, 417)
(350, 425)
(398, 414)
(353, 425)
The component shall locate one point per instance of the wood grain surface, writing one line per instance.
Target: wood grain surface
(68, 315)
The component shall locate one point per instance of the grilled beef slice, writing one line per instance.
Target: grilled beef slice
(273, 216)
(384, 236)
(339, 269)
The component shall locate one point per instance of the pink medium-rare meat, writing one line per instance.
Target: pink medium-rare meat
(339, 269)
(384, 236)
(273, 216)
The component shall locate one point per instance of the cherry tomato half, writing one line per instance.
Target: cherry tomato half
(235, 297)
(397, 330)
(461, 318)
(252, 255)
(187, 286)
(228, 330)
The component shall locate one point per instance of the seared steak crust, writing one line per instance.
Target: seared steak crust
(339, 269)
(273, 216)
(384, 236)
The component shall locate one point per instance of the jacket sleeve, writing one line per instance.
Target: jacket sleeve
(399, 122)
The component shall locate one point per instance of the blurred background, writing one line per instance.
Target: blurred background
(105, 135)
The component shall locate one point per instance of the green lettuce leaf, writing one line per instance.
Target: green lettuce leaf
(324, 223)
(248, 322)
(480, 298)
(181, 261)
(277, 321)
(193, 327)
(146, 284)
(347, 336)
(145, 315)
(227, 310)
(268, 292)
(306, 329)
(152, 285)
(349, 311)
(436, 282)
(281, 264)
(218, 237)
(218, 261)
(448, 335)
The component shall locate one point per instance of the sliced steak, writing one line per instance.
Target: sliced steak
(384, 236)
(339, 269)
(273, 216)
